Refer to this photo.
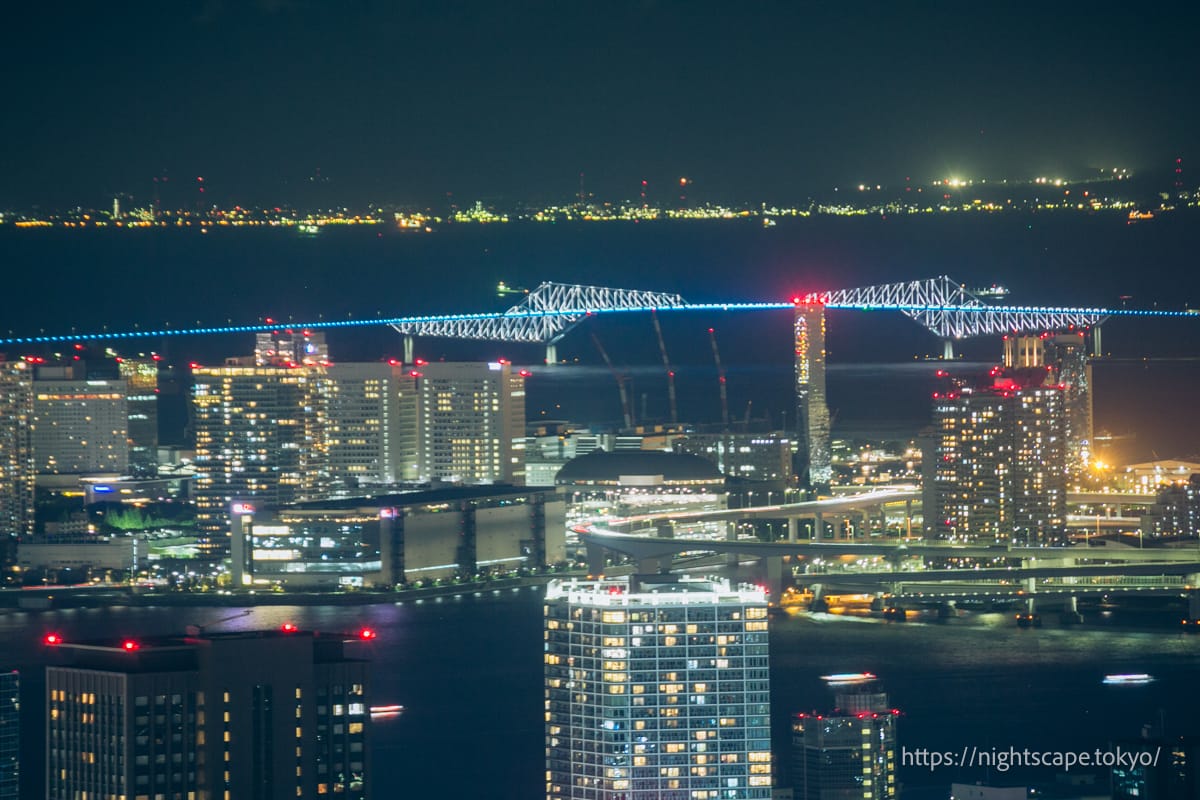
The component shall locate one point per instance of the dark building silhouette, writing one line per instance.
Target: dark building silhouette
(255, 715)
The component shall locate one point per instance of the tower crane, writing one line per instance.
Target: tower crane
(712, 337)
(619, 378)
(662, 348)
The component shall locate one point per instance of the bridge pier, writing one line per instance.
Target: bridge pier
(408, 349)
(818, 602)
(770, 574)
(947, 610)
(596, 559)
(551, 355)
(1193, 612)
(948, 350)
(877, 603)
(1070, 613)
(666, 529)
(818, 527)
(793, 524)
(1097, 350)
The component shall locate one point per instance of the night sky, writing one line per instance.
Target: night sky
(403, 103)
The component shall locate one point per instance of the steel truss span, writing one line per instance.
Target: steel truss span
(944, 307)
(547, 313)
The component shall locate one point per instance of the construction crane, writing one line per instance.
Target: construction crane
(712, 337)
(662, 348)
(198, 630)
(619, 378)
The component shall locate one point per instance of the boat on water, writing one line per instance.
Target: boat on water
(849, 677)
(386, 711)
(1128, 679)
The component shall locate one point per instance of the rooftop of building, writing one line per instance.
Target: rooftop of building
(446, 494)
(654, 590)
(600, 466)
(141, 654)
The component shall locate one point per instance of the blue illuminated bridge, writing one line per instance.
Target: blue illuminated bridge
(550, 311)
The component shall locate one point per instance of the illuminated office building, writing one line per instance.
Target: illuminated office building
(16, 456)
(80, 427)
(656, 687)
(10, 732)
(812, 413)
(998, 461)
(253, 715)
(260, 437)
(472, 422)
(372, 425)
(849, 754)
(141, 381)
(1175, 512)
(290, 347)
(754, 457)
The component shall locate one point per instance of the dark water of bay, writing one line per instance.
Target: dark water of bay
(468, 670)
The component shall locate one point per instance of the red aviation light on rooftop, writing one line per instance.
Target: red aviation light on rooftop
(420, 362)
(129, 645)
(526, 373)
(288, 627)
(393, 362)
(52, 639)
(414, 374)
(366, 634)
(193, 365)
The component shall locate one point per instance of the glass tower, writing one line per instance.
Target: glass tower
(812, 413)
(656, 687)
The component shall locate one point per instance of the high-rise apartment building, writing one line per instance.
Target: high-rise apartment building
(812, 413)
(1066, 356)
(141, 381)
(260, 436)
(258, 715)
(16, 456)
(999, 461)
(372, 430)
(80, 427)
(656, 687)
(10, 734)
(472, 422)
(849, 754)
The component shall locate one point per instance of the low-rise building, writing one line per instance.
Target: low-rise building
(398, 538)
